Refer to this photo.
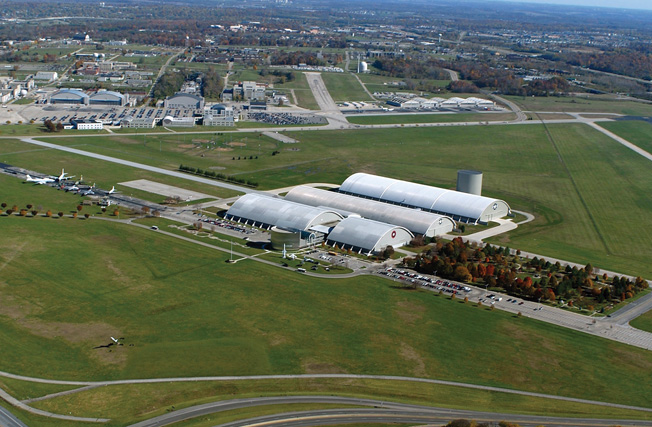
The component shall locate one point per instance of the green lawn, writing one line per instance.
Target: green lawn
(637, 132)
(171, 299)
(429, 118)
(344, 87)
(576, 193)
(584, 103)
(643, 322)
(102, 173)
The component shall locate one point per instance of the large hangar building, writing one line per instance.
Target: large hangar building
(364, 235)
(418, 222)
(291, 224)
(464, 207)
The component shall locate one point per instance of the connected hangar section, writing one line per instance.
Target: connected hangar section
(463, 207)
(418, 222)
(367, 213)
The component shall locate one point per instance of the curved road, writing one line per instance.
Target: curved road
(430, 416)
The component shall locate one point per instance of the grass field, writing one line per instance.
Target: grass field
(170, 299)
(429, 118)
(637, 132)
(122, 401)
(104, 174)
(344, 87)
(643, 322)
(26, 129)
(585, 103)
(576, 183)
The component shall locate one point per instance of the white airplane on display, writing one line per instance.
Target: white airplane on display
(39, 180)
(114, 340)
(63, 176)
(113, 190)
(89, 191)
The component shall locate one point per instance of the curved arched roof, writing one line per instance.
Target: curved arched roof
(448, 202)
(108, 94)
(69, 93)
(281, 213)
(369, 235)
(418, 222)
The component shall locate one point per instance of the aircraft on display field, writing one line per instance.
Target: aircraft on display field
(88, 191)
(113, 191)
(39, 180)
(63, 176)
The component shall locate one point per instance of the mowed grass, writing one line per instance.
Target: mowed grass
(344, 87)
(637, 132)
(381, 119)
(173, 301)
(104, 174)
(142, 401)
(585, 103)
(575, 193)
(643, 322)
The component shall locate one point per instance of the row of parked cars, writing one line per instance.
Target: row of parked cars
(227, 225)
(425, 281)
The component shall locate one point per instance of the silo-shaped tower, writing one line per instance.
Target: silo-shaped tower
(469, 181)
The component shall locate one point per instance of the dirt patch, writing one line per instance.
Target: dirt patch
(186, 146)
(410, 312)
(10, 256)
(410, 354)
(201, 140)
(115, 355)
(321, 368)
(217, 168)
(223, 149)
(236, 144)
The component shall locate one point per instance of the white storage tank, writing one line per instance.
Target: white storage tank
(469, 181)
(362, 67)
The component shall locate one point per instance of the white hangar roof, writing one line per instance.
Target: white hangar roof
(418, 222)
(368, 235)
(461, 206)
(273, 211)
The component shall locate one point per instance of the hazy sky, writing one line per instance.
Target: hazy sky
(628, 4)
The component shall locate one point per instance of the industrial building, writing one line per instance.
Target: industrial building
(470, 208)
(364, 235)
(418, 222)
(184, 101)
(108, 97)
(69, 96)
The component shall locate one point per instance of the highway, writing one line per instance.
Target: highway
(7, 419)
(378, 412)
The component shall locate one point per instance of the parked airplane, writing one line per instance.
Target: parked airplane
(114, 340)
(88, 191)
(113, 190)
(63, 176)
(39, 180)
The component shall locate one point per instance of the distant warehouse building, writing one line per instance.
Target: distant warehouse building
(418, 222)
(459, 206)
(69, 96)
(364, 235)
(138, 122)
(185, 122)
(87, 124)
(184, 101)
(108, 97)
(218, 115)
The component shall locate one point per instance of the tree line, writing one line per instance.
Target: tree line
(218, 176)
